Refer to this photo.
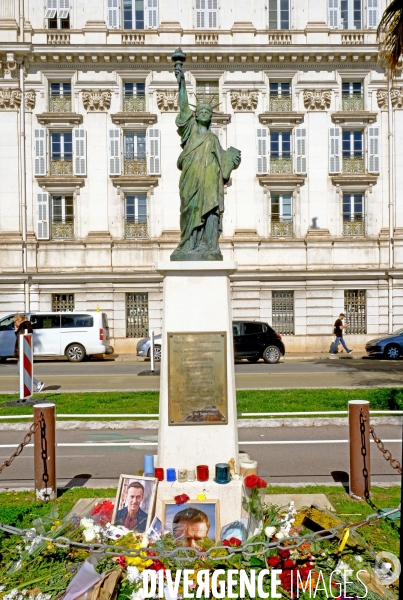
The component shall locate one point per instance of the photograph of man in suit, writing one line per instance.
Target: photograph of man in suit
(131, 516)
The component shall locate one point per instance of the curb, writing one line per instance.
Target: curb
(242, 423)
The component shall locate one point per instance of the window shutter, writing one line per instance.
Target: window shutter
(372, 13)
(262, 150)
(112, 13)
(212, 13)
(79, 151)
(334, 13)
(40, 151)
(373, 149)
(153, 151)
(64, 8)
(334, 150)
(114, 152)
(300, 150)
(51, 9)
(151, 14)
(42, 212)
(200, 13)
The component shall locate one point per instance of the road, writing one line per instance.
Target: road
(59, 375)
(286, 455)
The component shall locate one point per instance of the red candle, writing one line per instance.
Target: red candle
(159, 473)
(202, 472)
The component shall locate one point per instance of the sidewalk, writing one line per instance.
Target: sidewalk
(297, 356)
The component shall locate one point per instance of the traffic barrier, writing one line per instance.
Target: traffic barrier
(26, 366)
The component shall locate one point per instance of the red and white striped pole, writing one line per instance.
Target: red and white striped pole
(26, 365)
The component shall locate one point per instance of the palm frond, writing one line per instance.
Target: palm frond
(390, 35)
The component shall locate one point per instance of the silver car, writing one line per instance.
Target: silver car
(144, 347)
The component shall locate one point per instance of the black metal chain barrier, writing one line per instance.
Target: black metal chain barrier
(394, 463)
(183, 553)
(40, 422)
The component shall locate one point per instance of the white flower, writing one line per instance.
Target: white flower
(144, 541)
(137, 595)
(342, 566)
(86, 523)
(132, 574)
(270, 531)
(90, 535)
(2, 587)
(359, 559)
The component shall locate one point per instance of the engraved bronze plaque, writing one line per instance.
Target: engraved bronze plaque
(197, 378)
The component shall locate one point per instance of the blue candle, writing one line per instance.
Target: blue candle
(171, 475)
(149, 465)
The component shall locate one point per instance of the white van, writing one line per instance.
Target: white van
(72, 334)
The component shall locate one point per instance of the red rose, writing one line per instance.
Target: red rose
(284, 553)
(157, 566)
(121, 561)
(226, 543)
(233, 541)
(181, 499)
(288, 564)
(253, 481)
(273, 561)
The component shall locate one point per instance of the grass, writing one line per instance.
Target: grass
(20, 508)
(247, 401)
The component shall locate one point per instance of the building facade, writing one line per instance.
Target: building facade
(89, 196)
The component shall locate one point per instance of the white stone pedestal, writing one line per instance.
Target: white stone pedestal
(229, 496)
(196, 298)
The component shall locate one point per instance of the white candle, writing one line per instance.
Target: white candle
(248, 467)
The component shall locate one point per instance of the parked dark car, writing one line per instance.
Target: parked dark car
(254, 340)
(387, 346)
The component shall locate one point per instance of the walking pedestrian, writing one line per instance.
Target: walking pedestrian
(21, 325)
(338, 332)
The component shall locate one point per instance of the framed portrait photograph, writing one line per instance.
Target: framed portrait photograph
(192, 522)
(135, 502)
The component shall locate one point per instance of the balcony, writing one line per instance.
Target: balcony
(352, 37)
(280, 104)
(354, 102)
(354, 226)
(279, 37)
(62, 231)
(58, 37)
(353, 164)
(133, 38)
(281, 227)
(281, 166)
(135, 231)
(60, 104)
(136, 165)
(134, 103)
(61, 167)
(206, 38)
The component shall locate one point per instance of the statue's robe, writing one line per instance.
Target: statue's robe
(202, 180)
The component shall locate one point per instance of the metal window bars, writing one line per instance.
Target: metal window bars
(137, 315)
(283, 312)
(62, 302)
(356, 311)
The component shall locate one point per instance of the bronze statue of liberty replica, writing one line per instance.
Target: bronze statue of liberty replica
(206, 167)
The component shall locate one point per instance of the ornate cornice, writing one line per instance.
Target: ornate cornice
(382, 98)
(10, 99)
(167, 100)
(97, 100)
(244, 100)
(317, 99)
(30, 99)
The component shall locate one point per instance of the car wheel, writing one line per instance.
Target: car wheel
(253, 359)
(157, 353)
(3, 359)
(271, 355)
(392, 351)
(75, 353)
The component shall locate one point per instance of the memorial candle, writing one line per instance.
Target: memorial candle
(149, 465)
(159, 473)
(202, 472)
(171, 475)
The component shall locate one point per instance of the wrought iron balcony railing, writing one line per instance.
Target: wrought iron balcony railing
(61, 167)
(135, 166)
(353, 164)
(60, 104)
(354, 102)
(135, 230)
(134, 103)
(281, 227)
(281, 166)
(280, 103)
(353, 226)
(62, 231)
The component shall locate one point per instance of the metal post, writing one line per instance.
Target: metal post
(45, 452)
(360, 473)
(152, 353)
